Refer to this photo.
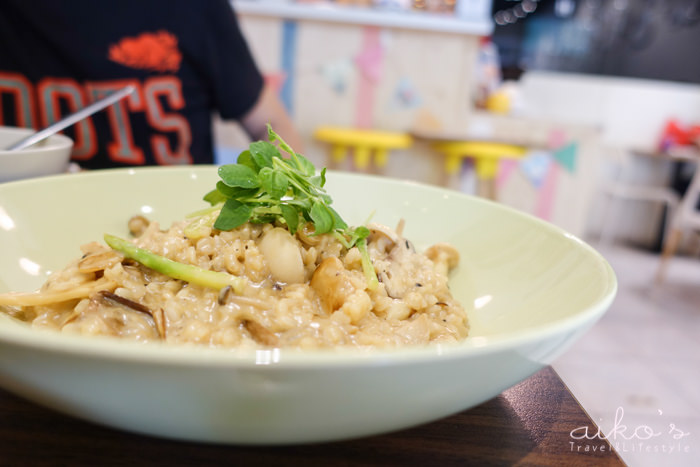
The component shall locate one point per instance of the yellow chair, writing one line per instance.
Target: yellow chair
(362, 143)
(486, 156)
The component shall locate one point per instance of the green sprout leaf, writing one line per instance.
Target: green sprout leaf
(274, 182)
(307, 168)
(215, 197)
(291, 217)
(263, 153)
(322, 217)
(246, 158)
(233, 214)
(338, 221)
(263, 186)
(237, 175)
(234, 191)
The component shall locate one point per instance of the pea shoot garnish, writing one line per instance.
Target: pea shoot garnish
(265, 187)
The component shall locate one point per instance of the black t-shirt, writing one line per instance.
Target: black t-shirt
(186, 58)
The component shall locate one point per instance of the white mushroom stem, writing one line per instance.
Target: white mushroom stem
(283, 256)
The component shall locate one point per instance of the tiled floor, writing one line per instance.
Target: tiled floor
(640, 364)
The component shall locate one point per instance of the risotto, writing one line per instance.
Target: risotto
(269, 264)
(301, 291)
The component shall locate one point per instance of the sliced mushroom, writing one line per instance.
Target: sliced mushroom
(393, 288)
(382, 237)
(125, 302)
(50, 297)
(72, 316)
(157, 316)
(444, 256)
(224, 295)
(138, 225)
(98, 261)
(400, 226)
(159, 319)
(331, 283)
(306, 235)
(260, 333)
(227, 295)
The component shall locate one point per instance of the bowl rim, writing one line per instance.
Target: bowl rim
(21, 334)
(52, 143)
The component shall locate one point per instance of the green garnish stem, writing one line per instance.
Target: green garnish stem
(367, 267)
(186, 272)
(205, 212)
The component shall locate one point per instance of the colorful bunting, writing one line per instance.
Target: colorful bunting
(535, 166)
(370, 63)
(406, 95)
(556, 138)
(566, 157)
(547, 193)
(370, 60)
(337, 74)
(505, 169)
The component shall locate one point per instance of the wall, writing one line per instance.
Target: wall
(363, 76)
(403, 79)
(552, 180)
(630, 114)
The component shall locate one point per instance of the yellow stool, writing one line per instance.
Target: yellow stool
(362, 143)
(486, 157)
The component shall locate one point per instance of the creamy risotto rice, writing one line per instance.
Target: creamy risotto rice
(302, 291)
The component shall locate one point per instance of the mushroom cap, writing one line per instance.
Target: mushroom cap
(443, 253)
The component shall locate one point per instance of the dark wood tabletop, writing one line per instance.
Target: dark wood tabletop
(529, 424)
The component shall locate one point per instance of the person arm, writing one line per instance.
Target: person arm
(240, 91)
(269, 109)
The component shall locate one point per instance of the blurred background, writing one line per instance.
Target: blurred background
(585, 113)
(584, 86)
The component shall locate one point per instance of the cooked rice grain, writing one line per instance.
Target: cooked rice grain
(412, 304)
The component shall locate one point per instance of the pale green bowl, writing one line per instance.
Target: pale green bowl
(530, 288)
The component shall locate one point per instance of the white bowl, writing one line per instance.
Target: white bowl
(47, 157)
(532, 289)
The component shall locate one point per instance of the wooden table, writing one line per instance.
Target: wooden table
(529, 424)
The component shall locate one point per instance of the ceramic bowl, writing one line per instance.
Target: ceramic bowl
(47, 157)
(530, 288)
